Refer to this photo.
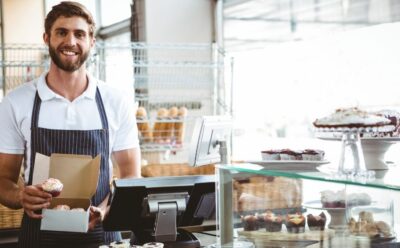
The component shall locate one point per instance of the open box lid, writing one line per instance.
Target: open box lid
(78, 173)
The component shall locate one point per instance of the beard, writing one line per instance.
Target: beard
(67, 65)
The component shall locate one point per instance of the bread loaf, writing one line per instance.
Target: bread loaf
(159, 126)
(143, 125)
(179, 128)
(168, 135)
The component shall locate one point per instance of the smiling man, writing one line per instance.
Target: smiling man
(65, 110)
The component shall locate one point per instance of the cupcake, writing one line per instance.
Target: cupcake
(78, 209)
(287, 154)
(261, 220)
(52, 186)
(120, 244)
(153, 245)
(250, 223)
(316, 222)
(273, 223)
(270, 155)
(62, 207)
(313, 155)
(295, 223)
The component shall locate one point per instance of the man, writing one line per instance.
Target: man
(65, 110)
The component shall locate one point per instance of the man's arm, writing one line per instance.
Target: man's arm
(10, 165)
(31, 198)
(128, 162)
(129, 166)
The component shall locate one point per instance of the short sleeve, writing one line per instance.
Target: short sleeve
(126, 136)
(11, 138)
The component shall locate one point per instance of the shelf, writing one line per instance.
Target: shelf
(388, 181)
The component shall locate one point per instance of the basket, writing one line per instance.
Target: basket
(10, 218)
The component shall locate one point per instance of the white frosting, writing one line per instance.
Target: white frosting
(52, 184)
(352, 116)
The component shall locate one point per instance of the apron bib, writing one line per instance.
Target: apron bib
(82, 142)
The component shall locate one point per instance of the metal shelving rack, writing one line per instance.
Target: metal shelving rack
(163, 75)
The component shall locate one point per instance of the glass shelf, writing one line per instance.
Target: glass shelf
(390, 179)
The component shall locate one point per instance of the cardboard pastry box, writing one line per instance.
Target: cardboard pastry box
(79, 174)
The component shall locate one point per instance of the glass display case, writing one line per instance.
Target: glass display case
(259, 207)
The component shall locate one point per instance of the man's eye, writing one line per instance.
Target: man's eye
(61, 33)
(79, 35)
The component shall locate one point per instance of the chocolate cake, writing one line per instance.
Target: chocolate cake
(316, 222)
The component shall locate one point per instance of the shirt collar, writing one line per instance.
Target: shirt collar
(46, 93)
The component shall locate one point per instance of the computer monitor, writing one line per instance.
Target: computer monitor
(209, 144)
(155, 208)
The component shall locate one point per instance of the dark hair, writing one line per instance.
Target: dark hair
(69, 9)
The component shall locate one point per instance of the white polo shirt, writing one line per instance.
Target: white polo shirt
(57, 112)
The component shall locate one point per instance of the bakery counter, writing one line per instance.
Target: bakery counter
(205, 234)
(8, 238)
(304, 209)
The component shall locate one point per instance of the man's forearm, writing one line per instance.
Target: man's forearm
(9, 194)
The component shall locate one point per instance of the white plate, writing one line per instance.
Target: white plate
(289, 165)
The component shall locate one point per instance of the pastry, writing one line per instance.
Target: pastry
(159, 125)
(120, 244)
(351, 117)
(316, 222)
(273, 223)
(169, 133)
(179, 128)
(271, 154)
(288, 154)
(52, 186)
(312, 155)
(331, 199)
(78, 209)
(143, 125)
(153, 245)
(249, 223)
(62, 207)
(295, 223)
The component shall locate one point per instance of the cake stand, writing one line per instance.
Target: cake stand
(352, 162)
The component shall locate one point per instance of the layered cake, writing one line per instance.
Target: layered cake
(352, 117)
(295, 223)
(394, 118)
(52, 186)
(331, 199)
(316, 222)
(273, 223)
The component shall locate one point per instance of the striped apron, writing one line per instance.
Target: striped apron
(83, 142)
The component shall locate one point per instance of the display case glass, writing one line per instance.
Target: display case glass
(260, 207)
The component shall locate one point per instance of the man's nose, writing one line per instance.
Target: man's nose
(70, 39)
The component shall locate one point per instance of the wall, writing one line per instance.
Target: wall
(23, 21)
(177, 21)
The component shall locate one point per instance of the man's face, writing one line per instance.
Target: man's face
(69, 43)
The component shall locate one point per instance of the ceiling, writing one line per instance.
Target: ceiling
(251, 24)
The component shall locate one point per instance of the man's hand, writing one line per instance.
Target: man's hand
(96, 216)
(33, 198)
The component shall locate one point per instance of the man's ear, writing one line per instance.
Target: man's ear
(93, 42)
(46, 38)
